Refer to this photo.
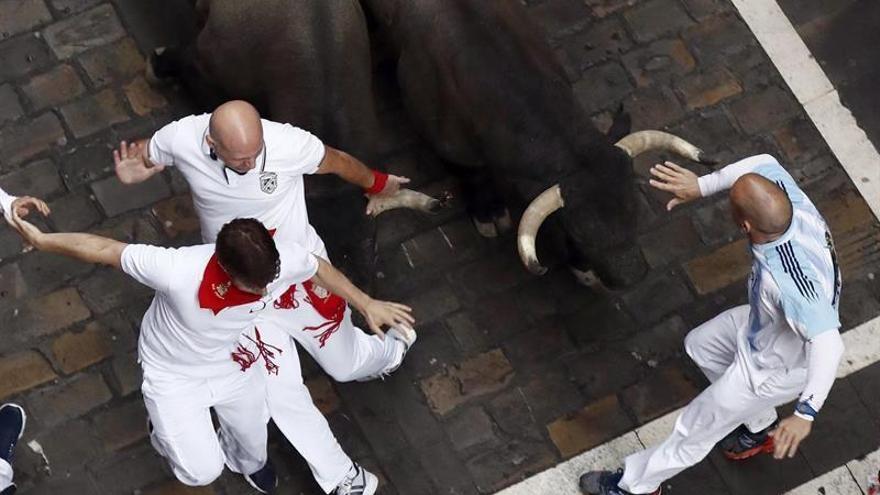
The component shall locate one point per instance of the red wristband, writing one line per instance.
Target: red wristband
(379, 181)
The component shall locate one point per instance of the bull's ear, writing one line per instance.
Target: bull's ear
(621, 125)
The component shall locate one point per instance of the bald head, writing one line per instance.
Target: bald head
(236, 134)
(761, 204)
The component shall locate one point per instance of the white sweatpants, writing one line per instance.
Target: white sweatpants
(183, 433)
(293, 410)
(728, 402)
(5, 475)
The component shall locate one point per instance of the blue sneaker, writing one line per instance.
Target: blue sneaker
(12, 422)
(605, 483)
(265, 480)
(743, 444)
(358, 481)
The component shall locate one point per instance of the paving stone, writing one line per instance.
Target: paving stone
(670, 242)
(174, 487)
(93, 113)
(664, 390)
(724, 266)
(759, 112)
(74, 213)
(468, 336)
(433, 304)
(143, 99)
(111, 63)
(499, 315)
(13, 288)
(551, 394)
(660, 62)
(127, 374)
(177, 216)
(323, 395)
(52, 88)
(762, 475)
(109, 288)
(590, 372)
(415, 419)
(602, 87)
(75, 482)
(43, 315)
(659, 343)
(131, 229)
(799, 139)
(603, 8)
(600, 322)
(44, 271)
(480, 375)
(543, 344)
(374, 411)
(644, 305)
(23, 140)
(23, 371)
(489, 275)
(655, 18)
(653, 108)
(593, 425)
(73, 351)
(561, 17)
(10, 243)
(81, 32)
(436, 351)
(54, 405)
(701, 9)
(471, 428)
(39, 179)
(708, 88)
(68, 7)
(508, 464)
(845, 431)
(602, 41)
(116, 197)
(18, 16)
(723, 39)
(702, 478)
(160, 23)
(122, 426)
(407, 474)
(86, 163)
(69, 447)
(714, 221)
(513, 416)
(443, 467)
(22, 55)
(10, 106)
(711, 130)
(129, 470)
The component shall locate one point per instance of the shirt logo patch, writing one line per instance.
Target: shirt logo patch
(268, 182)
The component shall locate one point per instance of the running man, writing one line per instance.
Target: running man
(783, 345)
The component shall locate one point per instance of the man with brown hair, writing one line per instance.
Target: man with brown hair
(206, 296)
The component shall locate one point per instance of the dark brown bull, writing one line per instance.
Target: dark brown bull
(483, 87)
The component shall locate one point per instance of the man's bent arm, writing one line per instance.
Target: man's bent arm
(723, 179)
(336, 282)
(347, 167)
(824, 353)
(84, 247)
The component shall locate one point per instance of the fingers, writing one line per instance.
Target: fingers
(673, 203)
(782, 442)
(674, 166)
(402, 180)
(374, 327)
(663, 186)
(664, 173)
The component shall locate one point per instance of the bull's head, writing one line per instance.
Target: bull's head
(599, 212)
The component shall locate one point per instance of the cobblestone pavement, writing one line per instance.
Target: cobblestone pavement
(512, 373)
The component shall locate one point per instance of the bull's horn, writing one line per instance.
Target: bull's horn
(538, 211)
(406, 198)
(642, 141)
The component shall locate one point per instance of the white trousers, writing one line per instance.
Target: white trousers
(729, 401)
(292, 408)
(183, 433)
(5, 475)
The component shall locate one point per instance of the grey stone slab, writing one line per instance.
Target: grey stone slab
(116, 197)
(81, 32)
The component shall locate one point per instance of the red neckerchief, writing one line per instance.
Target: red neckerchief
(217, 292)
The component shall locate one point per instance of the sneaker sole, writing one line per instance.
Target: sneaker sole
(23, 418)
(765, 448)
(372, 484)
(254, 485)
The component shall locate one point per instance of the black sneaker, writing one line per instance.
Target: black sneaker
(358, 481)
(742, 444)
(12, 422)
(604, 483)
(265, 480)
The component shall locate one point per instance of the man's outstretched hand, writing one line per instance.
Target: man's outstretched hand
(789, 435)
(679, 181)
(384, 313)
(132, 165)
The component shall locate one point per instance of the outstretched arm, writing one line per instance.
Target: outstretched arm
(377, 313)
(84, 247)
(352, 170)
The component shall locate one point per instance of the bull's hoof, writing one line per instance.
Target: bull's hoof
(590, 280)
(503, 222)
(160, 70)
(486, 229)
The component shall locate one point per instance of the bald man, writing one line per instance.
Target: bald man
(783, 345)
(239, 165)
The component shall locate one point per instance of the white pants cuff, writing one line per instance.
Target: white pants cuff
(5, 475)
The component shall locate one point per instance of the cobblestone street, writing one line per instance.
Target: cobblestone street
(512, 373)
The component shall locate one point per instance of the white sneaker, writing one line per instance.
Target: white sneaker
(406, 336)
(358, 481)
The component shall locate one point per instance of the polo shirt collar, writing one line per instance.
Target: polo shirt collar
(217, 292)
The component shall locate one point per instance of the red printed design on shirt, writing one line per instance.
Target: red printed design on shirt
(217, 292)
(288, 299)
(330, 306)
(246, 358)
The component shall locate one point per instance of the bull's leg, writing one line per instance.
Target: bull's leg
(480, 196)
(167, 65)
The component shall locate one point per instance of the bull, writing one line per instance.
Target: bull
(483, 87)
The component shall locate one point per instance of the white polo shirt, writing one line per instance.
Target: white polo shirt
(197, 316)
(272, 192)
